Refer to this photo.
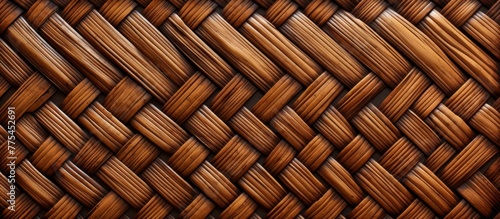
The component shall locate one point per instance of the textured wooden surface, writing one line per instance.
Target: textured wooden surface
(251, 108)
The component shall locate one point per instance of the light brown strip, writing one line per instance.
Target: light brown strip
(420, 49)
(42, 56)
(123, 53)
(222, 37)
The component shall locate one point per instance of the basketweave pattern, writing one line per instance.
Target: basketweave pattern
(252, 109)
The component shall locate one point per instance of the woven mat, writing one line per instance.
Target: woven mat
(250, 109)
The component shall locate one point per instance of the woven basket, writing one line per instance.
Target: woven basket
(250, 108)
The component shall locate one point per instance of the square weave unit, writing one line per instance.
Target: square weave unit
(249, 109)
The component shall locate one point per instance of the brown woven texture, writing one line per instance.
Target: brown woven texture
(251, 108)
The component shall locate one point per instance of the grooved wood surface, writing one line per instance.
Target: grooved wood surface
(250, 108)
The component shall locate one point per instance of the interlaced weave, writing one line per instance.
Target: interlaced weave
(251, 108)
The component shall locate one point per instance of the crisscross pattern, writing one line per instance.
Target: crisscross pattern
(251, 108)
